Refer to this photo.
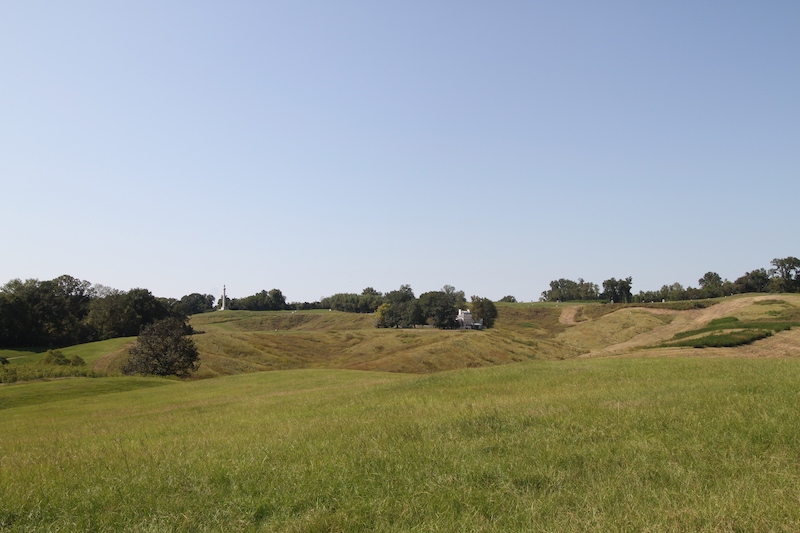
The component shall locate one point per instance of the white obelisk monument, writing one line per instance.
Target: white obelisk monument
(224, 299)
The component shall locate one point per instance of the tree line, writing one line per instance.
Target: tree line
(784, 276)
(65, 311)
(401, 309)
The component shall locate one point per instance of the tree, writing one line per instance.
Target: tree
(122, 314)
(618, 291)
(711, 284)
(380, 315)
(369, 300)
(163, 349)
(44, 313)
(753, 281)
(564, 290)
(438, 308)
(484, 308)
(787, 272)
(561, 290)
(404, 314)
(458, 297)
(277, 301)
(195, 303)
(403, 294)
(673, 292)
(508, 299)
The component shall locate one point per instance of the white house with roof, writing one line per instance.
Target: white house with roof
(466, 321)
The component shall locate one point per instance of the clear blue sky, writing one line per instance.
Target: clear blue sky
(321, 147)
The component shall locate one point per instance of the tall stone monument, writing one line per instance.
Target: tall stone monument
(224, 300)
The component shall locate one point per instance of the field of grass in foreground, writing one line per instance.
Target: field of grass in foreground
(650, 444)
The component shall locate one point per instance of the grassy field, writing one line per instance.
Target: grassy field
(558, 419)
(90, 352)
(619, 444)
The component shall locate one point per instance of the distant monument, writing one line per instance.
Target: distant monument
(224, 299)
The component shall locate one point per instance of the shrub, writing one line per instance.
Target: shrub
(54, 357)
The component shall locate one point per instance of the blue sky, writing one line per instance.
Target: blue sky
(321, 147)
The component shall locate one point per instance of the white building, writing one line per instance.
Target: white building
(466, 321)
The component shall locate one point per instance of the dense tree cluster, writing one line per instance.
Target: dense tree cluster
(784, 276)
(273, 300)
(565, 289)
(400, 309)
(66, 310)
(367, 302)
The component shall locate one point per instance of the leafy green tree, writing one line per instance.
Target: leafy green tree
(380, 315)
(711, 285)
(110, 316)
(508, 299)
(277, 300)
(787, 272)
(261, 301)
(195, 303)
(44, 313)
(403, 294)
(163, 349)
(458, 298)
(754, 281)
(3, 361)
(402, 314)
(439, 309)
(369, 301)
(122, 314)
(618, 291)
(673, 292)
(563, 290)
(483, 308)
(344, 302)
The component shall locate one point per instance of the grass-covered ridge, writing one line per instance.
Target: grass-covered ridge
(235, 342)
(622, 444)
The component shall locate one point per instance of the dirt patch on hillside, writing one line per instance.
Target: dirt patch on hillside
(567, 316)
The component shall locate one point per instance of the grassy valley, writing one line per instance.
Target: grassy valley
(562, 418)
(620, 444)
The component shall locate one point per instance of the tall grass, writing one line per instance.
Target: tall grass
(595, 445)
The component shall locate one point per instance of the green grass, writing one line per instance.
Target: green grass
(19, 395)
(585, 445)
(90, 352)
(728, 332)
(25, 364)
(21, 355)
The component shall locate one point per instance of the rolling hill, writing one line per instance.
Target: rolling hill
(604, 425)
(236, 342)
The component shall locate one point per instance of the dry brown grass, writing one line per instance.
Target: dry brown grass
(234, 342)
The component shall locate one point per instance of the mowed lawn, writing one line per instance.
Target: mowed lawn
(617, 444)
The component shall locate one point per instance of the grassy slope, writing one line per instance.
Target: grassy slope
(523, 332)
(90, 352)
(235, 342)
(619, 444)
